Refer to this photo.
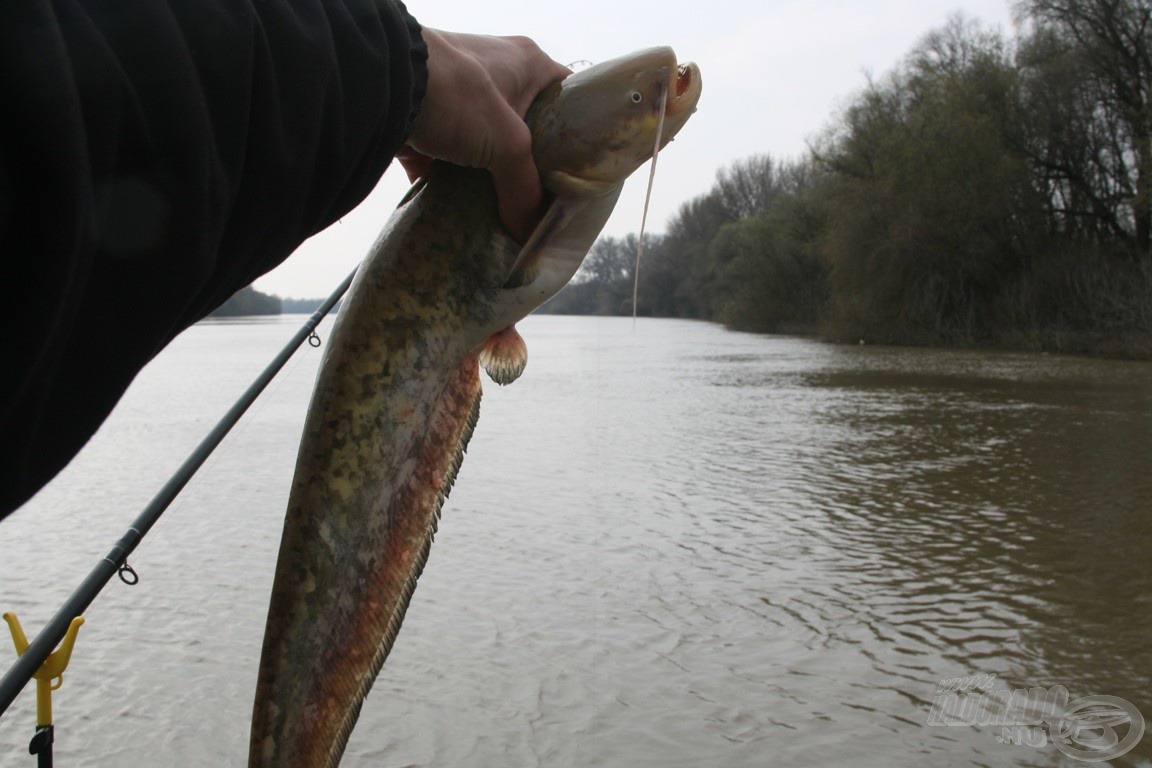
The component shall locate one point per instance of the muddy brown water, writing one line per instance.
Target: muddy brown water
(668, 546)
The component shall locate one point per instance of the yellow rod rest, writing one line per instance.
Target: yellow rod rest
(50, 676)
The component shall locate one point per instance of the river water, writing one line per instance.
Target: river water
(672, 545)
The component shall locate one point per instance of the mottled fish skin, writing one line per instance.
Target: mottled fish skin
(388, 423)
(396, 401)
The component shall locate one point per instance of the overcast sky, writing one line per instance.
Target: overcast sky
(775, 72)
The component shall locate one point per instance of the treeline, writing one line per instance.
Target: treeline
(304, 306)
(988, 191)
(248, 301)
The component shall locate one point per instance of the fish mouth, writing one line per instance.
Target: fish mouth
(683, 90)
(615, 137)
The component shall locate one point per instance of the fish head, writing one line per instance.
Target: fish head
(590, 132)
(594, 128)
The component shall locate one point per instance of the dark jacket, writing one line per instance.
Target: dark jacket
(157, 156)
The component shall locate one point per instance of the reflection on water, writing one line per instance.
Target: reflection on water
(676, 546)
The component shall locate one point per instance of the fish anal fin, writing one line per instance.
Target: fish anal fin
(415, 518)
(504, 355)
(323, 648)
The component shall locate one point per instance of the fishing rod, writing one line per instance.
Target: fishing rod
(116, 561)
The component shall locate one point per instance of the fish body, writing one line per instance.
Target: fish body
(398, 392)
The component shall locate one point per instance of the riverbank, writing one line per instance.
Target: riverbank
(1125, 346)
(1121, 346)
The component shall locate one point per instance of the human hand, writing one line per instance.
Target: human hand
(479, 88)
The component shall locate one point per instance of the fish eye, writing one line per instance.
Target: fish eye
(636, 97)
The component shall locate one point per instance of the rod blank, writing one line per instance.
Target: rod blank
(20, 673)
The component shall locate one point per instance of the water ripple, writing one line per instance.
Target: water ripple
(676, 546)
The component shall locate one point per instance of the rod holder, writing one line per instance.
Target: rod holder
(50, 676)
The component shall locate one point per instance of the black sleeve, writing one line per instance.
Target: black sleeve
(155, 157)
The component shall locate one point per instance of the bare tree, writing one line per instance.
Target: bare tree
(748, 187)
(1108, 44)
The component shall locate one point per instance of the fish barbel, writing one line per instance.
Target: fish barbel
(398, 391)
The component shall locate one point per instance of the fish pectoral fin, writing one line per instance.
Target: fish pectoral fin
(504, 356)
(527, 267)
(570, 186)
(413, 190)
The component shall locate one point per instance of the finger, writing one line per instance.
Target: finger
(415, 163)
(541, 73)
(519, 192)
(518, 195)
